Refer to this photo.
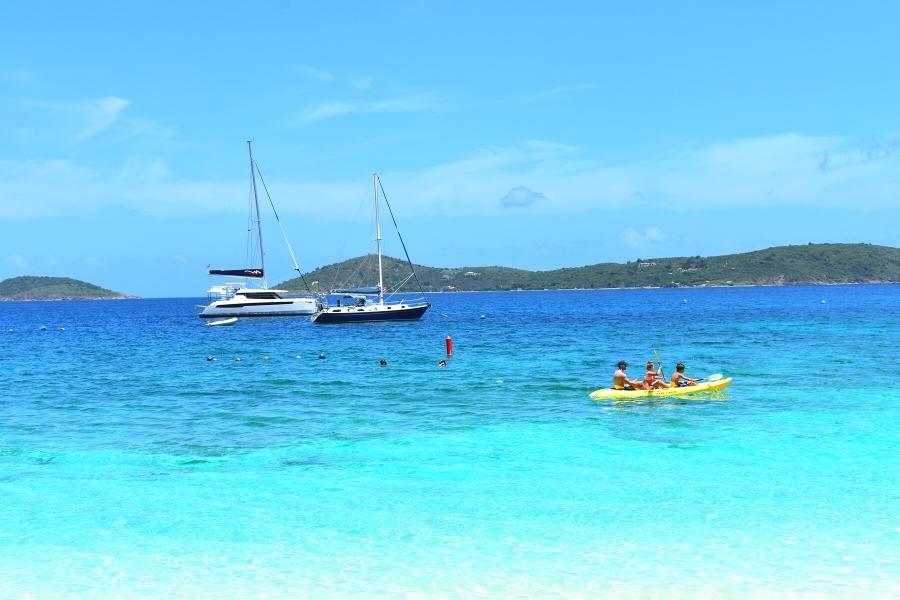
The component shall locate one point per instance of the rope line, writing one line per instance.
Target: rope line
(402, 243)
(281, 226)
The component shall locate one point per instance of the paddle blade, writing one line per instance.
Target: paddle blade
(713, 377)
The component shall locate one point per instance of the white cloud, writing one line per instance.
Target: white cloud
(315, 73)
(781, 170)
(520, 197)
(397, 104)
(636, 239)
(59, 188)
(98, 115)
(78, 121)
(776, 170)
(561, 90)
(328, 110)
(16, 261)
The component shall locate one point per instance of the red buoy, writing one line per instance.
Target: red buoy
(449, 342)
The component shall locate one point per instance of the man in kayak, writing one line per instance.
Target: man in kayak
(653, 379)
(679, 379)
(621, 381)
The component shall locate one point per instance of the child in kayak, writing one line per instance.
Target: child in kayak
(679, 379)
(621, 381)
(653, 379)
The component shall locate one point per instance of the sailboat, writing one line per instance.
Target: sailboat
(370, 304)
(239, 299)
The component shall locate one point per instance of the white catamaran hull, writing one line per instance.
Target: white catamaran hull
(243, 307)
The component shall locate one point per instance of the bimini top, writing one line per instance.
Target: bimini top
(232, 289)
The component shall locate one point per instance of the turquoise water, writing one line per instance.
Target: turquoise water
(132, 467)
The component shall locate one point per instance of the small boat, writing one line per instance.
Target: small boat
(368, 304)
(241, 300)
(223, 322)
(703, 386)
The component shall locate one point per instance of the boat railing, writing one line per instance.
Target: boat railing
(411, 302)
(226, 291)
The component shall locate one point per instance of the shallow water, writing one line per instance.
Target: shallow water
(130, 466)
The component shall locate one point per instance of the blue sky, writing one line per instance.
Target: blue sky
(548, 135)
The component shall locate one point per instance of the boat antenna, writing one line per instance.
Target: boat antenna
(408, 261)
(283, 232)
(262, 253)
(376, 182)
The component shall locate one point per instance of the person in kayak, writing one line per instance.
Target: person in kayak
(679, 379)
(653, 379)
(621, 380)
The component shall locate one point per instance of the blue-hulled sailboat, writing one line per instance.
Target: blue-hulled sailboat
(369, 303)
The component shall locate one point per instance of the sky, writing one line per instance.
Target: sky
(536, 135)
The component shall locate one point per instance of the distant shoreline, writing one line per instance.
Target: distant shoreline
(682, 287)
(66, 299)
(809, 264)
(444, 292)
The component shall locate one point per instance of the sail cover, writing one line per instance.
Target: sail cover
(237, 272)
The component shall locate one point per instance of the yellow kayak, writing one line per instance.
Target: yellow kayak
(709, 386)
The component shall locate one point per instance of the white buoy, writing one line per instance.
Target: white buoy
(237, 359)
(266, 357)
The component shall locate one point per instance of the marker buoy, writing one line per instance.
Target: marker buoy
(449, 344)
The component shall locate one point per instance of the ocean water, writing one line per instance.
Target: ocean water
(133, 467)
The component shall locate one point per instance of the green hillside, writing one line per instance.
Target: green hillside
(783, 265)
(52, 288)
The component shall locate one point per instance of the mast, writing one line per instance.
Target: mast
(262, 254)
(378, 237)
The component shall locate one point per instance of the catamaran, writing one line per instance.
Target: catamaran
(369, 303)
(237, 299)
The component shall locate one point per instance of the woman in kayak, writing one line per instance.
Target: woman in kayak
(621, 381)
(653, 379)
(679, 379)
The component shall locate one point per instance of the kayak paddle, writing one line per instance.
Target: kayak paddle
(713, 377)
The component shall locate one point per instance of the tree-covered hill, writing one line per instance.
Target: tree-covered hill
(52, 288)
(783, 265)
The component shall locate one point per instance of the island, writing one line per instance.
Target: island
(782, 265)
(54, 288)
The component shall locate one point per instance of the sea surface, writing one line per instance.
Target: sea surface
(132, 466)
